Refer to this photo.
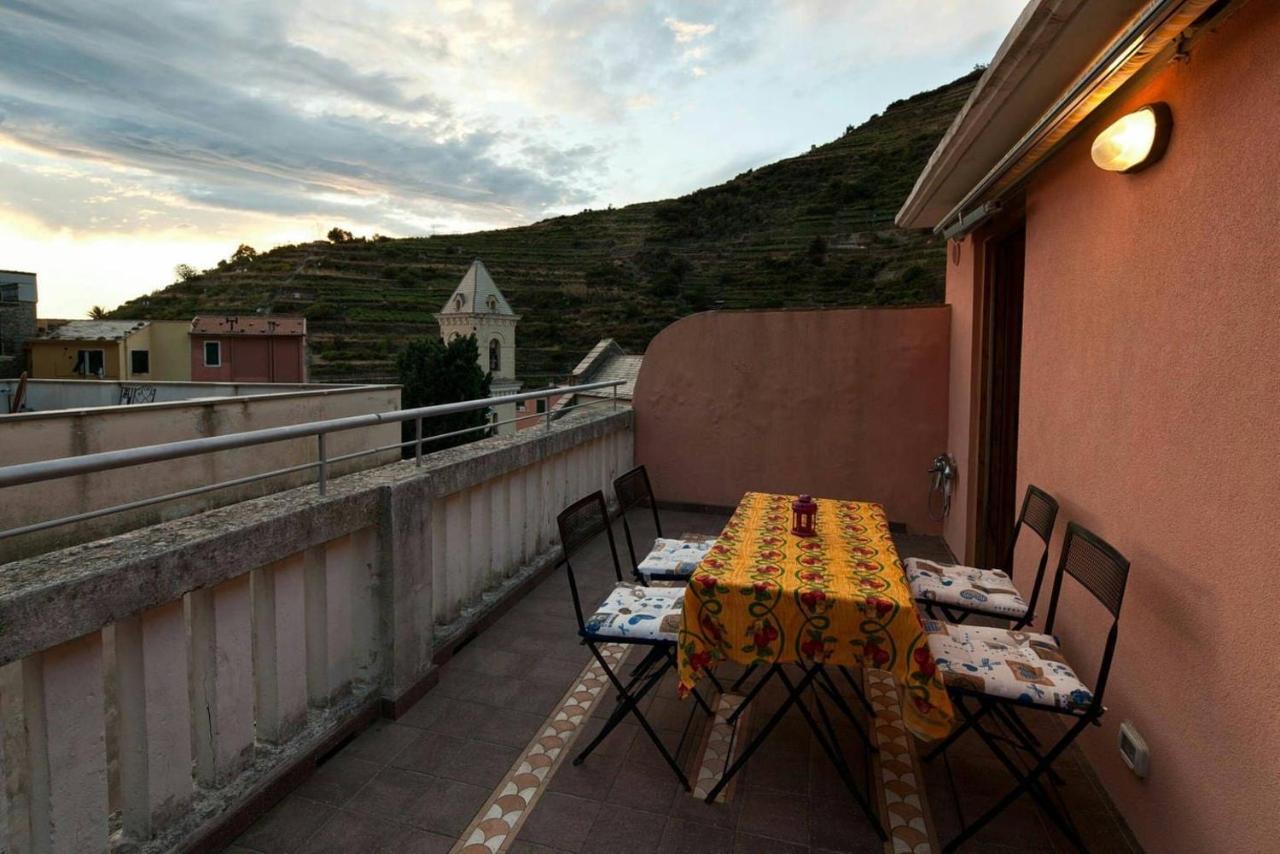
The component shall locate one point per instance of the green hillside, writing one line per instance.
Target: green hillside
(812, 230)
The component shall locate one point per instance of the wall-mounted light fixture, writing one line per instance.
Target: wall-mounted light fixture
(1133, 142)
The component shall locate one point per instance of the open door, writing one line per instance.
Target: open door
(997, 469)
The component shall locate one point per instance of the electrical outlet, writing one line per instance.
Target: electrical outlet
(1134, 750)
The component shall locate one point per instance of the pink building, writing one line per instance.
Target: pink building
(249, 349)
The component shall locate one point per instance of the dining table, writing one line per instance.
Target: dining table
(836, 600)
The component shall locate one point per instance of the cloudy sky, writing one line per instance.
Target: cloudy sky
(142, 134)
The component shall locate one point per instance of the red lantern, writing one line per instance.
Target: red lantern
(804, 513)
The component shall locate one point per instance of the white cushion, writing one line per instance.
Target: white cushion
(635, 611)
(1022, 666)
(674, 557)
(989, 591)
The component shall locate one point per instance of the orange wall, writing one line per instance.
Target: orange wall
(847, 403)
(1149, 404)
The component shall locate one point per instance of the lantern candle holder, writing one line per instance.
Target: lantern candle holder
(804, 516)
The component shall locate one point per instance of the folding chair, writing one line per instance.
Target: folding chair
(959, 592)
(670, 560)
(631, 614)
(1007, 669)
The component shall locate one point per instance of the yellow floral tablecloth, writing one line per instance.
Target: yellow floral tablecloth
(763, 595)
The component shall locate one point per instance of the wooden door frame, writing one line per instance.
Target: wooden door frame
(993, 234)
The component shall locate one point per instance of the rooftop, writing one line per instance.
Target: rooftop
(247, 325)
(92, 330)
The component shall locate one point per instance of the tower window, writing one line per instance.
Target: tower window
(459, 301)
(492, 302)
(495, 356)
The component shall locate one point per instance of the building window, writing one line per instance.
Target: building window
(459, 301)
(492, 302)
(90, 363)
(495, 356)
(542, 405)
(140, 361)
(213, 354)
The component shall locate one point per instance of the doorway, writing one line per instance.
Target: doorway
(1005, 253)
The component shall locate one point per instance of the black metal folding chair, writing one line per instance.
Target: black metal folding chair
(1007, 669)
(959, 592)
(675, 558)
(631, 614)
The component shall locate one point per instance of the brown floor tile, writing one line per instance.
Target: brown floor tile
(687, 837)
(645, 787)
(446, 806)
(724, 815)
(337, 780)
(561, 821)
(775, 815)
(476, 762)
(592, 779)
(381, 742)
(466, 719)
(410, 840)
(620, 830)
(520, 847)
(746, 843)
(349, 833)
(838, 824)
(390, 794)
(286, 826)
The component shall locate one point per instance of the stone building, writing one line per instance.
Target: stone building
(478, 308)
(17, 319)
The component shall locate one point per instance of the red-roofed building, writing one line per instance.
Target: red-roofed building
(249, 349)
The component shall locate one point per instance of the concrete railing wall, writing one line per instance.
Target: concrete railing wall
(43, 395)
(173, 674)
(30, 437)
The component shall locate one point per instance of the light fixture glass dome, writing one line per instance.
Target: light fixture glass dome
(1133, 141)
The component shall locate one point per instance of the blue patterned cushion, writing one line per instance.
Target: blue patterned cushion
(989, 591)
(674, 557)
(1023, 666)
(633, 611)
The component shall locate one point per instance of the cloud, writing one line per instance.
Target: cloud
(686, 31)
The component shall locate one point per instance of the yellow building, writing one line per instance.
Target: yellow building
(142, 350)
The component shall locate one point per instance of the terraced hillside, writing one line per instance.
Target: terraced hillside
(812, 230)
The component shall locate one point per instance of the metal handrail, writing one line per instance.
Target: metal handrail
(42, 470)
(267, 475)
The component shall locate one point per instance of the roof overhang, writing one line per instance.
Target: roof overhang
(1059, 63)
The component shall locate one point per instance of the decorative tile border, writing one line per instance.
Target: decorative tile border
(495, 826)
(902, 800)
(719, 748)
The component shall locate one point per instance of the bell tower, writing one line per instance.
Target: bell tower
(476, 307)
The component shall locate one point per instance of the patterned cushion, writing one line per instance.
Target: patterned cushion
(1022, 666)
(674, 557)
(990, 591)
(633, 611)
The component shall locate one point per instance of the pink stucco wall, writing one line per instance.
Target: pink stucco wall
(1149, 403)
(848, 403)
(961, 272)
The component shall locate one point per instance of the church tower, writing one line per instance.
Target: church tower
(478, 308)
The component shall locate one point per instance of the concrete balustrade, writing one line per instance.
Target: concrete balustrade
(178, 673)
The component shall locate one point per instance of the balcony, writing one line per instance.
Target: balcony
(368, 664)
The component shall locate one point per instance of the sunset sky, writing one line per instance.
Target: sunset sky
(138, 135)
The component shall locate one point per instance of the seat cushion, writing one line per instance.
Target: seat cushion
(989, 591)
(1022, 666)
(674, 557)
(641, 613)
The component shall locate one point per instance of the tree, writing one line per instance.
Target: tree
(338, 235)
(244, 253)
(185, 272)
(432, 372)
(97, 313)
